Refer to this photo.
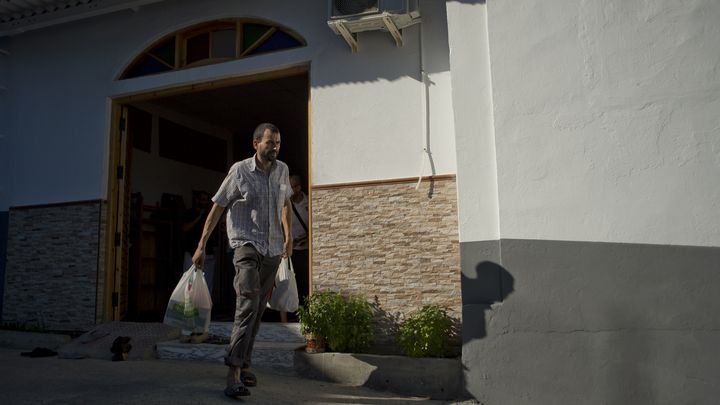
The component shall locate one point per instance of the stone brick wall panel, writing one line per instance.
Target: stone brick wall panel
(100, 290)
(52, 266)
(390, 243)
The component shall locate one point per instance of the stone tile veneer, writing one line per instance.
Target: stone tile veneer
(52, 265)
(101, 263)
(391, 243)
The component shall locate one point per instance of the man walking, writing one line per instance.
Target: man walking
(256, 193)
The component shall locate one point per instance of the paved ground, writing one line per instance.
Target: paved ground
(62, 381)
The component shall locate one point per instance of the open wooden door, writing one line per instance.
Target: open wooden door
(120, 218)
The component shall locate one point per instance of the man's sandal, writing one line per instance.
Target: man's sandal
(248, 378)
(236, 391)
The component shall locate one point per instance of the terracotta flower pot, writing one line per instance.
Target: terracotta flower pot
(314, 344)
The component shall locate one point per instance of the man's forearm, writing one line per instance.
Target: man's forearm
(287, 220)
(210, 223)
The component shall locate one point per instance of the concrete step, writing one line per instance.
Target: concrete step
(97, 342)
(274, 347)
(269, 331)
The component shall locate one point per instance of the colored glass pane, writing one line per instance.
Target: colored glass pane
(278, 40)
(166, 51)
(251, 33)
(218, 44)
(223, 44)
(198, 48)
(148, 65)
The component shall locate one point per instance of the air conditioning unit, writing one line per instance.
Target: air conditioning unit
(348, 17)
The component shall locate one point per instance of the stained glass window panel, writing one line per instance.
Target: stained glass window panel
(223, 44)
(147, 66)
(278, 40)
(251, 33)
(166, 51)
(198, 48)
(211, 42)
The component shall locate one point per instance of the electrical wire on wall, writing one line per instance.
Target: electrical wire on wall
(425, 108)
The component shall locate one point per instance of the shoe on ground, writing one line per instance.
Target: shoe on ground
(236, 391)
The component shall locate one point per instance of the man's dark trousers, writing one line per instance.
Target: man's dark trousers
(254, 278)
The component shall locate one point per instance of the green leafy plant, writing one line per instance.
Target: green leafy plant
(315, 314)
(344, 321)
(352, 327)
(427, 333)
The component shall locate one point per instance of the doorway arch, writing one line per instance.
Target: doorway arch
(212, 42)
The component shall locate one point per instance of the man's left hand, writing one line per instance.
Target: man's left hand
(288, 248)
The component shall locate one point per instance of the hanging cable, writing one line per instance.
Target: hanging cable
(425, 108)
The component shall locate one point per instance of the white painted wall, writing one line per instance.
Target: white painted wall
(475, 132)
(607, 118)
(366, 107)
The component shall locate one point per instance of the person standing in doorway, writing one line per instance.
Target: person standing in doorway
(256, 193)
(300, 233)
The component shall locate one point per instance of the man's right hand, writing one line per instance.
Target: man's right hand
(198, 258)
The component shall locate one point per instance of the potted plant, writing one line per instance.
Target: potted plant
(314, 319)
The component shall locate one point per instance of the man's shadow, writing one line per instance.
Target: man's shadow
(490, 284)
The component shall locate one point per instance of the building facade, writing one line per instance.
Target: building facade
(546, 170)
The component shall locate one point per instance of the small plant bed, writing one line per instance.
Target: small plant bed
(429, 332)
(344, 322)
(435, 378)
(429, 367)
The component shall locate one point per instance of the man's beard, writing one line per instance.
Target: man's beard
(270, 156)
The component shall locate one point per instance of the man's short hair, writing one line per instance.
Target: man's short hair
(260, 130)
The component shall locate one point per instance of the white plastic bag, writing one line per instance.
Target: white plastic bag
(284, 296)
(190, 304)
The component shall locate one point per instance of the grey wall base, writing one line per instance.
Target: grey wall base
(29, 340)
(3, 255)
(424, 377)
(552, 322)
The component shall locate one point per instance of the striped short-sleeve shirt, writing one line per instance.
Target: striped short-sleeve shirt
(254, 200)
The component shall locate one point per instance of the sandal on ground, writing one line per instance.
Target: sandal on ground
(248, 378)
(236, 390)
